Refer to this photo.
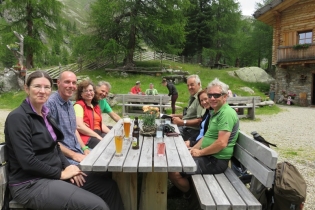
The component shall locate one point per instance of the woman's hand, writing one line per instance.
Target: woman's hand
(196, 152)
(78, 180)
(71, 171)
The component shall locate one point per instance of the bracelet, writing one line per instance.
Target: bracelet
(85, 148)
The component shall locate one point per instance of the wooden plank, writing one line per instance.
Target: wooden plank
(173, 160)
(127, 184)
(247, 196)
(217, 193)
(235, 199)
(160, 163)
(259, 170)
(145, 163)
(264, 154)
(154, 191)
(204, 196)
(189, 165)
(116, 163)
(105, 157)
(243, 100)
(15, 205)
(88, 162)
(3, 156)
(3, 182)
(132, 159)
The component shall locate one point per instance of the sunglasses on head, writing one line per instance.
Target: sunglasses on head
(215, 95)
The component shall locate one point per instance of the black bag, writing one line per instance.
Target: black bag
(289, 188)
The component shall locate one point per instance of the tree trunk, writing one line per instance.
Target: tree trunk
(129, 64)
(29, 28)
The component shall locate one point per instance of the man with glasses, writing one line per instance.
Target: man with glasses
(212, 152)
(188, 122)
(102, 90)
(61, 109)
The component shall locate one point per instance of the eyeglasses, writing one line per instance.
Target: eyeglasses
(88, 91)
(215, 95)
(39, 87)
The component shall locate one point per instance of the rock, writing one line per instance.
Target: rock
(9, 81)
(247, 89)
(254, 74)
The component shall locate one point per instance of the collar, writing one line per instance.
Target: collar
(61, 101)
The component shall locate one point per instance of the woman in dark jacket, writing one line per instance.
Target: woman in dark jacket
(171, 92)
(40, 177)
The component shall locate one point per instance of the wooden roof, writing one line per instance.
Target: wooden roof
(266, 14)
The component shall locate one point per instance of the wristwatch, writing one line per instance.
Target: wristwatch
(185, 121)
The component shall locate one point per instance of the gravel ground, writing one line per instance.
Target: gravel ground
(292, 130)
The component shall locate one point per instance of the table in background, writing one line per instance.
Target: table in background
(144, 160)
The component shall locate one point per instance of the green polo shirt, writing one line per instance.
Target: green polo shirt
(151, 92)
(225, 119)
(194, 110)
(105, 108)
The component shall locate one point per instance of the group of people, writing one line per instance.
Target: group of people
(172, 91)
(47, 136)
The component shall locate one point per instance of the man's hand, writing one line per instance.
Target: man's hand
(86, 152)
(196, 152)
(78, 180)
(79, 157)
(177, 120)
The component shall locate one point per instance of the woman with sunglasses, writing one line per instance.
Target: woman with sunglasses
(213, 151)
(204, 102)
(89, 115)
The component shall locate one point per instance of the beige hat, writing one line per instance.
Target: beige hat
(138, 82)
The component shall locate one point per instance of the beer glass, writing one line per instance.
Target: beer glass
(127, 123)
(118, 134)
(161, 148)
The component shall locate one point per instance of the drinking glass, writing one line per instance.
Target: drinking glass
(159, 131)
(127, 123)
(168, 121)
(161, 149)
(118, 133)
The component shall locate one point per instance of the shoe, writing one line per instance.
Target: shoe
(187, 195)
(174, 192)
(193, 201)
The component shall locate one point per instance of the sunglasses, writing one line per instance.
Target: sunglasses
(215, 95)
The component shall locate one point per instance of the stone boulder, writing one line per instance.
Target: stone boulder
(10, 81)
(253, 74)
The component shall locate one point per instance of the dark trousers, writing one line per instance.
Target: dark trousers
(97, 193)
(93, 141)
(173, 101)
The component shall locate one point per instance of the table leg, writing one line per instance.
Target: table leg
(154, 191)
(127, 184)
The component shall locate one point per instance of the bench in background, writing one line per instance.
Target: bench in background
(242, 103)
(226, 191)
(128, 101)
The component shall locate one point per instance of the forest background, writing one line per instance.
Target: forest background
(59, 32)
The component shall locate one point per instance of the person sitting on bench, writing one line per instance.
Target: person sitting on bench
(213, 152)
(40, 176)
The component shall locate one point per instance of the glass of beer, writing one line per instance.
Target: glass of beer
(161, 149)
(118, 133)
(127, 123)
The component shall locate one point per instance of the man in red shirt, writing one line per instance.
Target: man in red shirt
(136, 89)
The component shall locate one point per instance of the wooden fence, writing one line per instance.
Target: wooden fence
(288, 53)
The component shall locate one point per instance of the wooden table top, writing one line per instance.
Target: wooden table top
(145, 159)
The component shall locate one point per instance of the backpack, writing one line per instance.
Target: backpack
(289, 188)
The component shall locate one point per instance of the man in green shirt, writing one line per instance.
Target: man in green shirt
(188, 122)
(102, 90)
(151, 90)
(213, 152)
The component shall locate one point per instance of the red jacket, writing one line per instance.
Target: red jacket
(88, 118)
(135, 90)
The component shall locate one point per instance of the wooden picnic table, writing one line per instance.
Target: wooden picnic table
(144, 161)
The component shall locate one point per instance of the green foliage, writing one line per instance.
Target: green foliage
(301, 46)
(158, 24)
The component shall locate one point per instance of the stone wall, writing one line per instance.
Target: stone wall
(294, 79)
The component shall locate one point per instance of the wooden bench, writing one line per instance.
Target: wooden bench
(226, 191)
(242, 103)
(131, 100)
(4, 179)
